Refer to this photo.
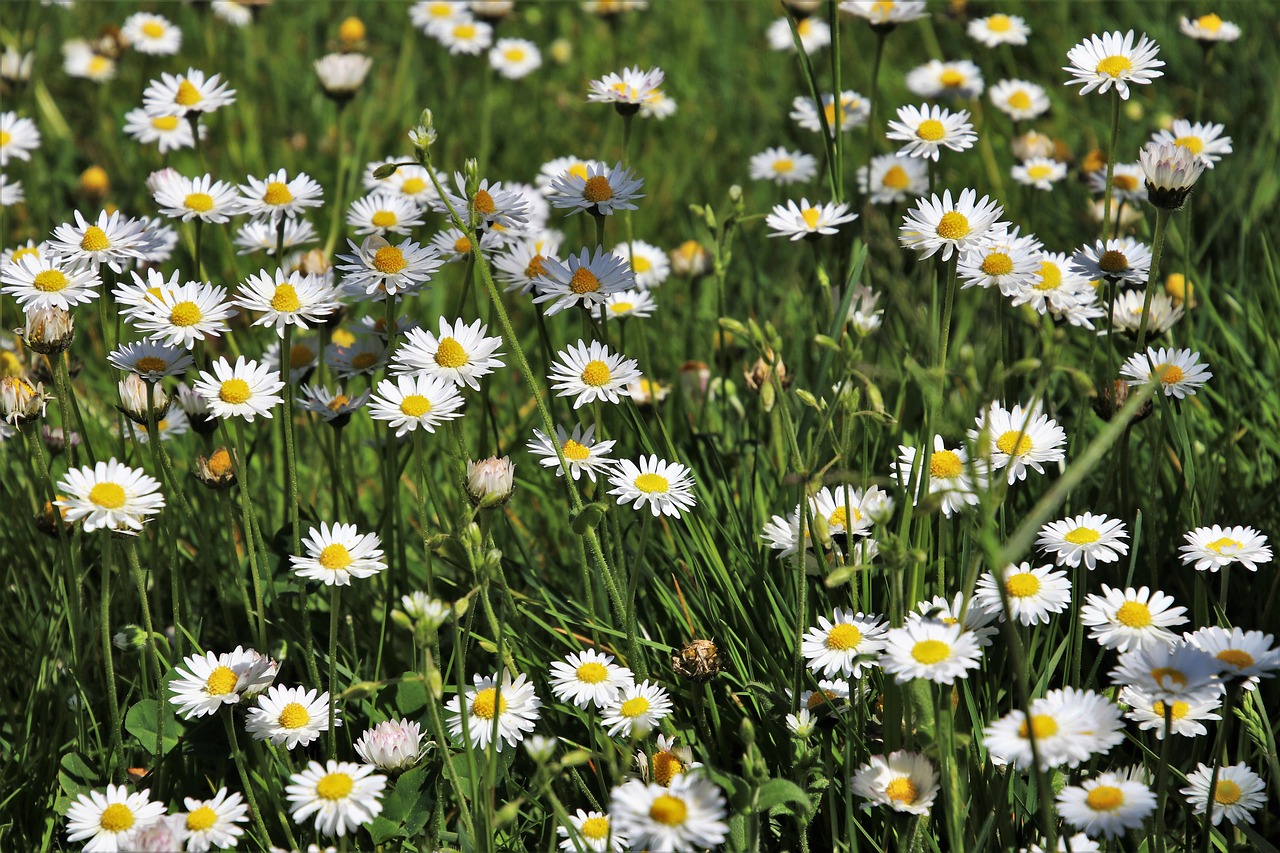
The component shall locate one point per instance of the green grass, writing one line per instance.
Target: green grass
(1211, 459)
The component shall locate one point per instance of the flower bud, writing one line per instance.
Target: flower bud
(541, 747)
(134, 402)
(1171, 171)
(393, 746)
(690, 260)
(48, 330)
(95, 183)
(351, 33)
(491, 481)
(342, 74)
(130, 638)
(20, 401)
(423, 609)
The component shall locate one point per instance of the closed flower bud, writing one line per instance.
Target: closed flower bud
(130, 638)
(393, 746)
(1171, 172)
(491, 481)
(48, 330)
(134, 402)
(342, 74)
(20, 401)
(541, 747)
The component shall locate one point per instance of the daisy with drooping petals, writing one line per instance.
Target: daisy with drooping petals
(589, 677)
(384, 213)
(151, 34)
(782, 166)
(107, 820)
(109, 495)
(113, 239)
(593, 831)
(461, 353)
(49, 281)
(904, 781)
(1170, 172)
(1088, 537)
(1211, 548)
(1237, 793)
(1169, 672)
(336, 555)
(200, 198)
(377, 268)
(80, 59)
(931, 650)
(636, 709)
(1209, 29)
(807, 221)
(1034, 594)
(584, 279)
(845, 645)
(938, 79)
(627, 89)
(1039, 172)
(501, 716)
(891, 179)
(937, 225)
(18, 137)
(187, 93)
(1004, 260)
(1018, 439)
(687, 815)
(589, 372)
(949, 475)
(1184, 717)
(277, 195)
(211, 681)
(667, 487)
(292, 716)
(214, 822)
(1100, 62)
(1180, 371)
(411, 402)
(928, 129)
(853, 111)
(247, 389)
(329, 405)
(342, 74)
(1241, 654)
(1124, 619)
(287, 299)
(1106, 805)
(343, 796)
(581, 451)
(998, 29)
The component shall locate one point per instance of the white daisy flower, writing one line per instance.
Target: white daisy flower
(1184, 717)
(411, 402)
(864, 316)
(1100, 62)
(279, 196)
(627, 89)
(286, 299)
(11, 192)
(200, 198)
(883, 16)
(247, 389)
(331, 406)
(151, 34)
(80, 59)
(259, 236)
(809, 221)
(846, 645)
(1069, 726)
(584, 279)
(998, 29)
(31, 248)
(1129, 619)
(951, 475)
(892, 179)
(214, 822)
(1209, 29)
(210, 681)
(342, 74)
(411, 181)
(553, 170)
(188, 93)
(427, 14)
(814, 34)
(589, 677)
(1005, 260)
(928, 129)
(150, 360)
(109, 495)
(592, 831)
(1127, 182)
(844, 511)
(237, 14)
(491, 205)
(628, 303)
(1018, 439)
(667, 487)
(938, 79)
(1034, 593)
(503, 716)
(589, 372)
(1088, 537)
(461, 353)
(1127, 315)
(1237, 793)
(376, 268)
(635, 710)
(49, 281)
(1180, 371)
(937, 225)
(1211, 548)
(453, 244)
(301, 359)
(976, 621)
(384, 213)
(581, 451)
(291, 716)
(658, 105)
(853, 111)
(1169, 672)
(782, 166)
(904, 781)
(169, 133)
(649, 264)
(688, 815)
(602, 190)
(930, 650)
(465, 36)
(105, 821)
(363, 356)
(515, 58)
(18, 138)
(1106, 805)
(1241, 654)
(343, 796)
(336, 555)
(1039, 172)
(113, 239)
(1170, 172)
(392, 745)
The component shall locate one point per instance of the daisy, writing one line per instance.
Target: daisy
(150, 360)
(18, 138)
(928, 129)
(628, 303)
(285, 299)
(231, 12)
(409, 180)
(342, 74)
(1127, 183)
(813, 33)
(246, 390)
(1019, 439)
(1211, 548)
(1129, 619)
(187, 93)
(11, 192)
(1092, 538)
(891, 179)
(465, 36)
(1237, 793)
(553, 170)
(1180, 371)
(687, 815)
(584, 279)
(627, 89)
(461, 353)
(846, 645)
(1127, 314)
(782, 166)
(489, 206)
(392, 745)
(383, 213)
(1019, 99)
(365, 355)
(292, 716)
(1039, 172)
(1209, 29)
(332, 407)
(377, 268)
(80, 59)
(170, 133)
(658, 105)
(589, 372)
(936, 225)
(214, 822)
(45, 281)
(110, 496)
(649, 264)
(842, 510)
(343, 796)
(854, 111)
(107, 820)
(591, 830)
(502, 716)
(515, 58)
(601, 191)
(667, 487)
(1203, 140)
(807, 221)
(1184, 717)
(635, 709)
(938, 79)
(1005, 260)
(1169, 672)
(904, 781)
(863, 313)
(427, 14)
(454, 245)
(1078, 843)
(1069, 726)
(210, 681)
(1100, 62)
(589, 677)
(949, 475)
(976, 620)
(995, 30)
(200, 198)
(1033, 593)
(582, 452)
(31, 248)
(927, 649)
(416, 401)
(882, 16)
(1106, 805)
(113, 239)
(278, 196)
(336, 555)
(1240, 654)
(151, 34)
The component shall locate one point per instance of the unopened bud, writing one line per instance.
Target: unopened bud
(491, 481)
(48, 330)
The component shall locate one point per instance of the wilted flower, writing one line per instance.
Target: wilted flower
(20, 401)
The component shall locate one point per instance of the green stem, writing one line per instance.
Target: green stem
(153, 655)
(113, 702)
(246, 510)
(290, 453)
(335, 593)
(1111, 161)
(1217, 758)
(1162, 776)
(245, 781)
(1153, 275)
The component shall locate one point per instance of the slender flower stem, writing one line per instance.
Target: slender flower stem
(246, 510)
(1153, 275)
(1162, 776)
(335, 594)
(1218, 758)
(104, 619)
(1111, 161)
(153, 655)
(290, 452)
(245, 783)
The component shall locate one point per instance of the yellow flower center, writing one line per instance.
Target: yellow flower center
(462, 246)
(1178, 711)
(953, 226)
(1161, 673)
(668, 810)
(1105, 798)
(1050, 274)
(641, 264)
(116, 817)
(19, 254)
(413, 186)
(1124, 183)
(931, 130)
(1022, 585)
(1236, 658)
(201, 819)
(94, 240)
(843, 637)
(383, 219)
(578, 170)
(1194, 144)
(487, 703)
(186, 314)
(483, 202)
(1013, 443)
(1042, 726)
(221, 681)
(592, 673)
(997, 263)
(415, 405)
(389, 260)
(535, 268)
(465, 32)
(1210, 22)
(1170, 374)
(285, 299)
(50, 281)
(999, 24)
(1114, 66)
(1226, 793)
(351, 30)
(830, 112)
(896, 178)
(584, 281)
(153, 29)
(300, 355)
(596, 373)
(107, 495)
(338, 401)
(929, 652)
(98, 65)
(234, 391)
(220, 462)
(364, 361)
(187, 94)
(1224, 544)
(945, 465)
(5, 138)
(810, 216)
(1082, 536)
(513, 54)
(951, 78)
(901, 790)
(293, 716)
(199, 202)
(621, 307)
(839, 517)
(633, 708)
(783, 165)
(165, 123)
(1020, 100)
(597, 189)
(595, 828)
(150, 364)
(334, 786)
(1134, 614)
(450, 354)
(335, 557)
(652, 483)
(575, 451)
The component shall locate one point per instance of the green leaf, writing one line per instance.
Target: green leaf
(382, 830)
(776, 792)
(411, 694)
(141, 720)
(415, 798)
